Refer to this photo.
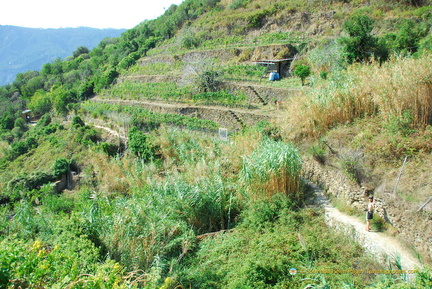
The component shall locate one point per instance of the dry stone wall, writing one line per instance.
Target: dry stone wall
(223, 116)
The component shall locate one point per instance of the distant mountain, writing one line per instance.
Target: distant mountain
(23, 49)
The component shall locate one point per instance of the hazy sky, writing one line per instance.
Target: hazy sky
(76, 13)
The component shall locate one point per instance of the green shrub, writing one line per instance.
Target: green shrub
(77, 122)
(302, 71)
(189, 41)
(51, 128)
(256, 20)
(87, 135)
(21, 147)
(139, 144)
(109, 149)
(60, 167)
(324, 75)
(263, 213)
(126, 62)
(208, 81)
(58, 204)
(261, 256)
(401, 124)
(44, 120)
(318, 152)
(20, 124)
(30, 181)
(238, 4)
(352, 165)
(7, 121)
(105, 80)
(65, 262)
(86, 90)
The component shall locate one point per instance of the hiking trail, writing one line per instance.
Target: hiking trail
(386, 249)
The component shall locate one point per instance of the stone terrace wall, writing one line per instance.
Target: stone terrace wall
(222, 116)
(271, 95)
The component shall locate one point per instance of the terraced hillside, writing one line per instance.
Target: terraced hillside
(121, 179)
(170, 79)
(169, 84)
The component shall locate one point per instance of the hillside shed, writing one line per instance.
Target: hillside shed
(26, 115)
(281, 66)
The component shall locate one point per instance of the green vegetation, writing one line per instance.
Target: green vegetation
(164, 203)
(302, 71)
(361, 45)
(143, 118)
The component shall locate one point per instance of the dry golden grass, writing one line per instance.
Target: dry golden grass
(282, 182)
(389, 90)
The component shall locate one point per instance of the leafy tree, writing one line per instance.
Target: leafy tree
(32, 86)
(361, 45)
(106, 79)
(22, 79)
(57, 67)
(46, 69)
(40, 103)
(86, 90)
(62, 98)
(139, 144)
(302, 71)
(80, 50)
(127, 62)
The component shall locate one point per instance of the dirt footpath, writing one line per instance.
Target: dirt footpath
(386, 249)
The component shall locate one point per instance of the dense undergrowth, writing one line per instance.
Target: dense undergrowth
(175, 207)
(168, 220)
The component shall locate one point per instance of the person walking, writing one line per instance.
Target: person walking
(369, 212)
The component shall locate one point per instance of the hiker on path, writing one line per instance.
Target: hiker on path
(369, 212)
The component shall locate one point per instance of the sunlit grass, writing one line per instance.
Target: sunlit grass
(389, 90)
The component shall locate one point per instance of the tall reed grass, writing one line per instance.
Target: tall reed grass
(397, 87)
(274, 167)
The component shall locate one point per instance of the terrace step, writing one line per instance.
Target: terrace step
(262, 100)
(238, 119)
